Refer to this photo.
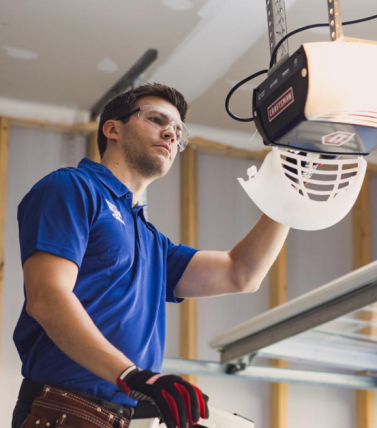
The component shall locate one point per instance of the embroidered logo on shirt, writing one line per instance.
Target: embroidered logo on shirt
(116, 213)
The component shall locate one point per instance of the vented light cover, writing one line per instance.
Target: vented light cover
(289, 190)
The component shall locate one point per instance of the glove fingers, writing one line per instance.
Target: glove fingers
(191, 401)
(203, 400)
(173, 412)
(178, 401)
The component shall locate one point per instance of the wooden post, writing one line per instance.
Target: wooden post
(362, 227)
(92, 148)
(278, 295)
(4, 144)
(189, 236)
(362, 256)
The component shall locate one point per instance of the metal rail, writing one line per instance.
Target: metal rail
(335, 20)
(335, 25)
(339, 297)
(269, 374)
(277, 29)
(305, 321)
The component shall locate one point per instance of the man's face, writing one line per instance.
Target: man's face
(146, 148)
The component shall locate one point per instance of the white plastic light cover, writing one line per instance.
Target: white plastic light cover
(302, 197)
(221, 419)
(217, 419)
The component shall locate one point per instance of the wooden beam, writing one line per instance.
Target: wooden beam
(365, 409)
(372, 168)
(362, 227)
(4, 144)
(278, 295)
(189, 236)
(92, 148)
(220, 149)
(204, 145)
(278, 400)
(365, 400)
(78, 128)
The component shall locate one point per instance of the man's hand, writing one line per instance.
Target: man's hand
(178, 401)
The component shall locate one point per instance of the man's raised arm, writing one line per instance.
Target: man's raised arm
(240, 270)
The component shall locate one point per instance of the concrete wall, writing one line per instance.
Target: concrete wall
(225, 215)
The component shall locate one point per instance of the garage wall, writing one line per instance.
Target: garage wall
(225, 215)
(32, 155)
(373, 213)
(314, 258)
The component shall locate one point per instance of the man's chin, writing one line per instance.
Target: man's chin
(161, 172)
(161, 166)
(156, 171)
(150, 167)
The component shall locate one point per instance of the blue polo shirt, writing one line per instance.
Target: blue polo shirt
(127, 272)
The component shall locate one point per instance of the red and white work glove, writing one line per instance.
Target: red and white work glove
(178, 401)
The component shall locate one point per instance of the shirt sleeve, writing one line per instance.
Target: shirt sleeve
(179, 257)
(55, 217)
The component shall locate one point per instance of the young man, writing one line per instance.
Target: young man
(97, 274)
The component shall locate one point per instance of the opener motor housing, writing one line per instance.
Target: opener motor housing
(323, 99)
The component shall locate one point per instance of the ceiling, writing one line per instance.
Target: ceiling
(70, 53)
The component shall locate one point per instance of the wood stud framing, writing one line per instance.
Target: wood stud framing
(361, 256)
(189, 236)
(362, 227)
(278, 295)
(220, 149)
(4, 144)
(78, 128)
(92, 148)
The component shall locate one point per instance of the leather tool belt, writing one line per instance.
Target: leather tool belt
(55, 407)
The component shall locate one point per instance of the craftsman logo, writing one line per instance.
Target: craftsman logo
(280, 104)
(337, 138)
(116, 213)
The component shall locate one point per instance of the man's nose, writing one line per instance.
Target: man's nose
(169, 132)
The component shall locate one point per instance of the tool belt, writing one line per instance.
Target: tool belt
(59, 407)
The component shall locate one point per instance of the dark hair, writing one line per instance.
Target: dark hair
(123, 103)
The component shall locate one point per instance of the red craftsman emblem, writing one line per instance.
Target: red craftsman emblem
(280, 104)
(337, 138)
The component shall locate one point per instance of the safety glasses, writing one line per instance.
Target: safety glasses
(162, 119)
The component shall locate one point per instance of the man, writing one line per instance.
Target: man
(97, 274)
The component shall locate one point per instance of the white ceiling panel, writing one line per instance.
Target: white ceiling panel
(69, 53)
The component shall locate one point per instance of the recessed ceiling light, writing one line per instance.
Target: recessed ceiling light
(177, 4)
(20, 53)
(107, 65)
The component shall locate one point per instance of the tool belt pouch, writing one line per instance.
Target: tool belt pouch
(56, 408)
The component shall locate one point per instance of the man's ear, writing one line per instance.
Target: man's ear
(110, 130)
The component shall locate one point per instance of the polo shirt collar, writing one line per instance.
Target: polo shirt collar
(105, 176)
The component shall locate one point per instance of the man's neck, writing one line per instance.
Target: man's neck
(130, 178)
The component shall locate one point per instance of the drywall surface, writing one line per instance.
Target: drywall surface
(32, 155)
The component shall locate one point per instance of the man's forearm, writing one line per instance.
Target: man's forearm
(254, 255)
(73, 331)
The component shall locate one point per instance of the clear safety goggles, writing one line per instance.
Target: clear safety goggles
(162, 119)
